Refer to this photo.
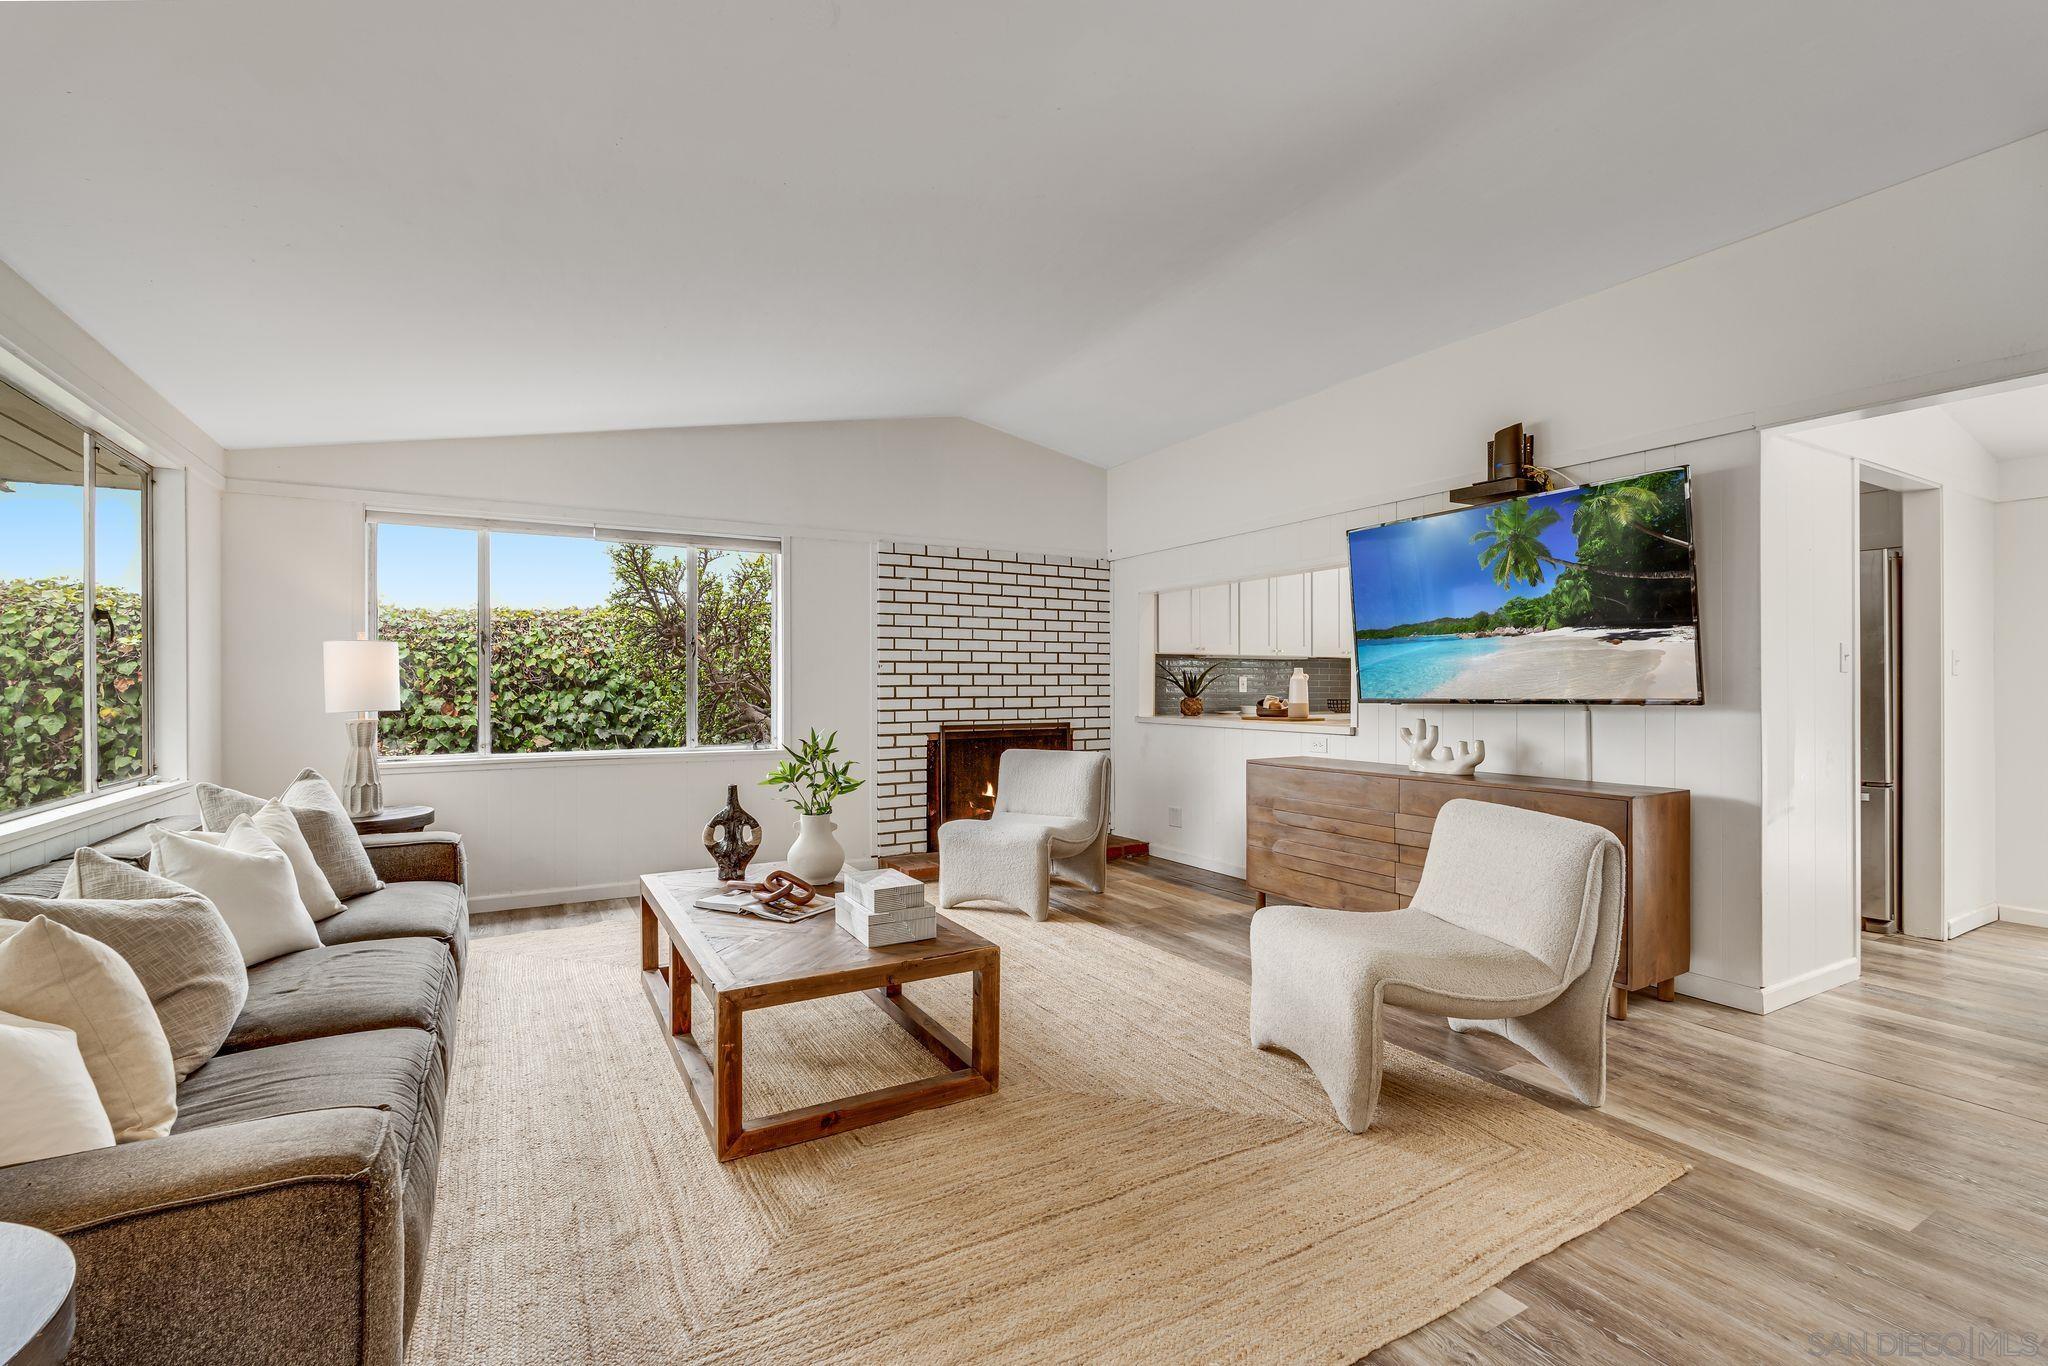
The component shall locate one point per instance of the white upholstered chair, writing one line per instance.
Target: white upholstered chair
(1051, 817)
(1514, 930)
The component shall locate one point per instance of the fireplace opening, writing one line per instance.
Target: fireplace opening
(961, 762)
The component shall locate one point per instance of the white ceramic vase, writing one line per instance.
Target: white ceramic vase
(816, 856)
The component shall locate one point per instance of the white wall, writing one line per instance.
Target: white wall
(2021, 634)
(43, 352)
(1807, 656)
(1969, 761)
(561, 828)
(1922, 684)
(1932, 285)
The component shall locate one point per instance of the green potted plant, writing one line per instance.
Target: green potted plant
(1190, 684)
(811, 781)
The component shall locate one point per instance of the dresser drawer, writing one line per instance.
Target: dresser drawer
(1422, 798)
(1327, 795)
(1284, 882)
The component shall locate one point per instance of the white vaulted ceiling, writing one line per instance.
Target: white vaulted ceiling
(2011, 424)
(1101, 224)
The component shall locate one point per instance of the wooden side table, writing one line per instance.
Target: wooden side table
(37, 1307)
(395, 820)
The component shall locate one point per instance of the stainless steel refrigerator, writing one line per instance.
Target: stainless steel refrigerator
(1879, 605)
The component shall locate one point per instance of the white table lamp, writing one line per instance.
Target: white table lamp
(362, 677)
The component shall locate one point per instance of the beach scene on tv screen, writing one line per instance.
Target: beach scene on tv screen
(1582, 595)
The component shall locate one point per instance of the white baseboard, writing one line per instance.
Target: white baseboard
(1811, 983)
(1195, 860)
(1721, 991)
(1970, 920)
(550, 896)
(1764, 1000)
(2024, 915)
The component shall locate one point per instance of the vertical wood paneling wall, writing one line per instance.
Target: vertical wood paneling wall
(1807, 516)
(1712, 750)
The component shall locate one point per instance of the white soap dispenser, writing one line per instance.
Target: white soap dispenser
(1297, 695)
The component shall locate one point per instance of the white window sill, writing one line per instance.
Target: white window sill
(63, 820)
(395, 767)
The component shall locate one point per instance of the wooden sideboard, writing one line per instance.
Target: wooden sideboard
(1352, 835)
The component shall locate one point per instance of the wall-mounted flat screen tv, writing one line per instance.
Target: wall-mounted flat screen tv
(1584, 594)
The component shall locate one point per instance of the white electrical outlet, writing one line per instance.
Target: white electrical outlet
(1319, 744)
(1244, 682)
(1173, 817)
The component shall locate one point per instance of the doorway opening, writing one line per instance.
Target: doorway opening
(1899, 757)
(1900, 532)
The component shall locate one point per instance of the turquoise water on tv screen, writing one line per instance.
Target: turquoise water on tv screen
(1415, 666)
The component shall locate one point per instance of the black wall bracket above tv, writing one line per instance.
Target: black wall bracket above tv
(1511, 470)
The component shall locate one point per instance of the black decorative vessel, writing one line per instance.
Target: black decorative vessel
(732, 837)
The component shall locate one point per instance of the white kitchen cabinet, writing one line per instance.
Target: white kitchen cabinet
(1255, 617)
(1177, 622)
(1216, 619)
(1290, 616)
(1330, 632)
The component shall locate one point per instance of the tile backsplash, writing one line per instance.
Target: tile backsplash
(1329, 682)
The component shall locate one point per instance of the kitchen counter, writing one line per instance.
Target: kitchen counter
(1319, 722)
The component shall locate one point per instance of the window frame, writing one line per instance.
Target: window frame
(483, 754)
(91, 448)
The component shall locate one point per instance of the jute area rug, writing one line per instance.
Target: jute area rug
(1144, 1186)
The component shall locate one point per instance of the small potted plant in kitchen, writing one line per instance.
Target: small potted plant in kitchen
(811, 781)
(1190, 684)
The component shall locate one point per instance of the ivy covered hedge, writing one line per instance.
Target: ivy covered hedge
(606, 677)
(556, 684)
(42, 680)
(572, 678)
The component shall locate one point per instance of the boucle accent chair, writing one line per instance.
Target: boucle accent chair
(1051, 819)
(1514, 930)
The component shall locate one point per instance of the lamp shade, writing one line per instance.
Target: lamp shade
(362, 675)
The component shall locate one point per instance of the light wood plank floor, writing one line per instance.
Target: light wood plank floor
(1870, 1162)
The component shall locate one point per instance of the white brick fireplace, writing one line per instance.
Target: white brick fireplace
(979, 635)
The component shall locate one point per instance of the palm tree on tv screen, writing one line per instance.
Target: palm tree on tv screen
(1514, 550)
(1624, 507)
(1513, 540)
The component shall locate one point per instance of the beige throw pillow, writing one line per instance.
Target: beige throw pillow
(249, 881)
(52, 1108)
(322, 819)
(57, 975)
(276, 820)
(171, 936)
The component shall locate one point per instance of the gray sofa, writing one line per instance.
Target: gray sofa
(286, 1217)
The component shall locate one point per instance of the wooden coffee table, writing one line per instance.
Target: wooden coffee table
(745, 964)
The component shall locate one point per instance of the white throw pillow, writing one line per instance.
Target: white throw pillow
(276, 820)
(181, 950)
(54, 974)
(52, 1108)
(249, 881)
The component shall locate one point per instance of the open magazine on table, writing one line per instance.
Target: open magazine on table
(738, 901)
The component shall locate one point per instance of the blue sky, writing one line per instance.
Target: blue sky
(431, 566)
(1418, 570)
(42, 534)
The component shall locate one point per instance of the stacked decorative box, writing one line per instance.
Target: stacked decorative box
(880, 906)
